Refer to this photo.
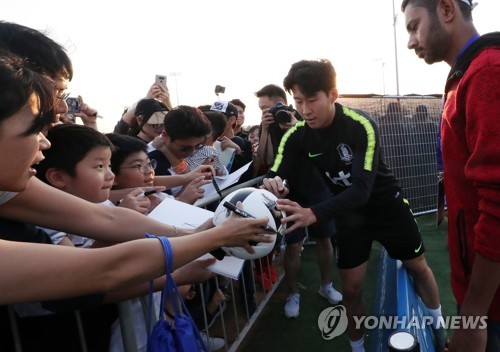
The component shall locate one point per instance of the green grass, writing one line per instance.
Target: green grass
(274, 332)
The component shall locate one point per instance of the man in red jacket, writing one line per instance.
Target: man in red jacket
(442, 30)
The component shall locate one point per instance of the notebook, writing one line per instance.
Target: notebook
(224, 181)
(229, 266)
(180, 214)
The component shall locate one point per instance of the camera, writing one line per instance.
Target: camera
(73, 105)
(281, 113)
(219, 89)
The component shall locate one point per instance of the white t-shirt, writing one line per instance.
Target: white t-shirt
(78, 241)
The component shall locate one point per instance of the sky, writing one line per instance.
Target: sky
(117, 48)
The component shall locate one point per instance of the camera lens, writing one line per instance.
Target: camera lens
(282, 116)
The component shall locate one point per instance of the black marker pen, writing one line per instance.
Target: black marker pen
(143, 194)
(216, 186)
(242, 213)
(148, 193)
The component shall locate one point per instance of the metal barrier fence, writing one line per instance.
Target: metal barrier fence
(408, 129)
(245, 298)
(396, 297)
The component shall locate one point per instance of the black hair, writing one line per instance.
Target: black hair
(144, 109)
(218, 121)
(431, 6)
(205, 107)
(238, 102)
(70, 144)
(272, 91)
(185, 122)
(311, 76)
(19, 83)
(253, 128)
(124, 146)
(41, 53)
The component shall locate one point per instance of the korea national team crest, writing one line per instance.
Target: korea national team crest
(345, 153)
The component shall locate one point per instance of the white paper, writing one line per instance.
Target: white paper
(226, 156)
(180, 214)
(224, 181)
(229, 266)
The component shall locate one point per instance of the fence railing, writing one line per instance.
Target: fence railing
(245, 298)
(396, 297)
(408, 133)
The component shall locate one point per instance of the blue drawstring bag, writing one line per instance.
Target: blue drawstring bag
(181, 335)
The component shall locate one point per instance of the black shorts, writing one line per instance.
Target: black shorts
(393, 226)
(321, 230)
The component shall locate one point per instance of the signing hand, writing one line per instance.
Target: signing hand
(302, 217)
(135, 200)
(193, 191)
(241, 231)
(201, 170)
(275, 186)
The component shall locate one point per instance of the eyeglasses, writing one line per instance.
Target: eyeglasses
(62, 97)
(143, 168)
(190, 149)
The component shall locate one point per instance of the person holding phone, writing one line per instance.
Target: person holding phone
(128, 123)
(78, 108)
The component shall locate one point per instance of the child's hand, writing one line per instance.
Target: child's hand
(135, 200)
(193, 191)
(217, 299)
(205, 170)
(155, 200)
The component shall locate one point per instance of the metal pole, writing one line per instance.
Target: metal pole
(395, 46)
(175, 75)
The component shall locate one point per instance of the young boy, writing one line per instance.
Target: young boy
(208, 155)
(132, 167)
(79, 163)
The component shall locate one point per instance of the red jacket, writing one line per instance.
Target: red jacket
(470, 134)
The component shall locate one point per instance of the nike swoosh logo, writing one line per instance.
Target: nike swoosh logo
(419, 247)
(314, 155)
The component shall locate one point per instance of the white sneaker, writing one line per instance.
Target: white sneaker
(213, 343)
(292, 306)
(330, 294)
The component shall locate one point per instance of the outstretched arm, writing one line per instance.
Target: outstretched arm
(44, 272)
(46, 206)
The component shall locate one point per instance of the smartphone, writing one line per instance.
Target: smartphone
(161, 80)
(73, 105)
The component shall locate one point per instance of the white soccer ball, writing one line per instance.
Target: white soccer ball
(259, 203)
